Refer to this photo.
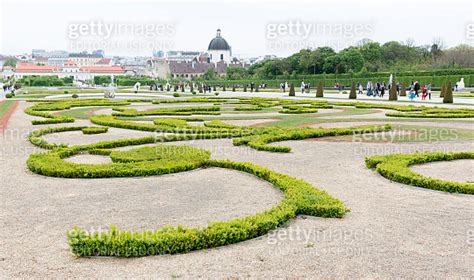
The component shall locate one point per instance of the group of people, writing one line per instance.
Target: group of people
(416, 89)
(374, 89)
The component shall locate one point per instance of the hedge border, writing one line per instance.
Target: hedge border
(300, 198)
(395, 167)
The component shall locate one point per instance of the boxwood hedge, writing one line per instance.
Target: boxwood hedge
(300, 198)
(396, 168)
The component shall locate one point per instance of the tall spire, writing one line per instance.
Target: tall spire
(218, 32)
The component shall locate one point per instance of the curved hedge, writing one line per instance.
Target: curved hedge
(299, 198)
(395, 168)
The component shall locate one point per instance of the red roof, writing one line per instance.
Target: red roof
(24, 67)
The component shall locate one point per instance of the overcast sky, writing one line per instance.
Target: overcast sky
(252, 28)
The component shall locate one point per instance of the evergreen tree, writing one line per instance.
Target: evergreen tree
(403, 89)
(320, 90)
(233, 88)
(392, 93)
(292, 90)
(448, 94)
(353, 93)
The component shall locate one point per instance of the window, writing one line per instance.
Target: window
(222, 56)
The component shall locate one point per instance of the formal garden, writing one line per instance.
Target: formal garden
(302, 161)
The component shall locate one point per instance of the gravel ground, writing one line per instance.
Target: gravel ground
(393, 230)
(457, 170)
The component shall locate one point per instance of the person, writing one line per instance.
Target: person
(361, 89)
(416, 87)
(302, 87)
(428, 88)
(423, 93)
(398, 88)
(376, 89)
(369, 88)
(412, 95)
(382, 89)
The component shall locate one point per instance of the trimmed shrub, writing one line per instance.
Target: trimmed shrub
(95, 129)
(74, 95)
(396, 168)
(392, 93)
(320, 90)
(176, 94)
(9, 95)
(403, 89)
(216, 93)
(300, 198)
(353, 93)
(448, 95)
(292, 90)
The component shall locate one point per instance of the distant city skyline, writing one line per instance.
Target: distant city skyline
(251, 28)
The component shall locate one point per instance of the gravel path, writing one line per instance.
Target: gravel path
(457, 171)
(393, 231)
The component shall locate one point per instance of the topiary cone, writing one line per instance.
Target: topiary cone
(392, 93)
(403, 89)
(353, 93)
(320, 90)
(448, 94)
(443, 90)
(292, 90)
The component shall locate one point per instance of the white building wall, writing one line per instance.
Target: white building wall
(215, 56)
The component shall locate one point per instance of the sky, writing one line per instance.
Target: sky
(252, 28)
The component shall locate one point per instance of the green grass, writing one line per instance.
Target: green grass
(5, 106)
(80, 113)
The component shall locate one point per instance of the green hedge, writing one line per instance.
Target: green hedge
(299, 198)
(260, 142)
(95, 129)
(396, 168)
(40, 108)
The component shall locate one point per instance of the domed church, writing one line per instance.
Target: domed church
(219, 49)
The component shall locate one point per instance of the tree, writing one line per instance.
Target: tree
(10, 62)
(403, 89)
(292, 90)
(191, 87)
(448, 95)
(353, 93)
(233, 87)
(223, 88)
(200, 87)
(320, 90)
(210, 74)
(392, 93)
(353, 59)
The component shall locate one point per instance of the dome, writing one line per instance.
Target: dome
(218, 43)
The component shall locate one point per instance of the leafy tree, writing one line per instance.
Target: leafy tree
(10, 62)
(210, 74)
